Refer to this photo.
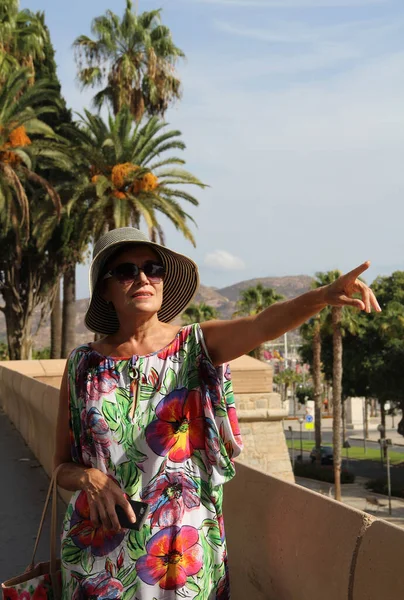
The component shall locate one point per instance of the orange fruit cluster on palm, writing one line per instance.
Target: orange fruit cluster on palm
(119, 176)
(17, 138)
(147, 183)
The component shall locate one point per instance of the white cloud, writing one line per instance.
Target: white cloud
(223, 261)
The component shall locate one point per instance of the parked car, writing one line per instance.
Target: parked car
(327, 455)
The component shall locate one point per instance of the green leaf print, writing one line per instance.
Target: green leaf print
(191, 585)
(87, 560)
(128, 474)
(197, 459)
(137, 542)
(208, 523)
(228, 392)
(110, 411)
(131, 451)
(70, 552)
(170, 381)
(128, 594)
(205, 574)
(220, 411)
(213, 535)
(206, 498)
(123, 399)
(146, 392)
(130, 578)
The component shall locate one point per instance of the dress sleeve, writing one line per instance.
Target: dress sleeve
(74, 371)
(222, 433)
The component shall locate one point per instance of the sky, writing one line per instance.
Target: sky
(293, 114)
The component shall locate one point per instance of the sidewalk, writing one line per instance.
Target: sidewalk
(354, 495)
(24, 487)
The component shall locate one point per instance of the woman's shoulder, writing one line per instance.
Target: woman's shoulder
(79, 351)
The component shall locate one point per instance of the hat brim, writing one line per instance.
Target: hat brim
(181, 283)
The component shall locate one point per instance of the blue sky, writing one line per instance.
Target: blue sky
(293, 113)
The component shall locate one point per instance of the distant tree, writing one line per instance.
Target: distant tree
(134, 58)
(254, 300)
(198, 313)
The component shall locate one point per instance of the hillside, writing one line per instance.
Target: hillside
(224, 300)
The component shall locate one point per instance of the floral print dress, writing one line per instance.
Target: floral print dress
(174, 453)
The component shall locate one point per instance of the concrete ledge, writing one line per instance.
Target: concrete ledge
(379, 564)
(288, 543)
(262, 414)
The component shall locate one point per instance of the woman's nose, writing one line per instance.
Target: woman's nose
(142, 277)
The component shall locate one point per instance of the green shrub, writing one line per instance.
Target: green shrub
(321, 473)
(379, 486)
(42, 354)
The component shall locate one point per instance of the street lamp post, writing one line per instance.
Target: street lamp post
(347, 445)
(381, 430)
(387, 444)
(293, 446)
(301, 421)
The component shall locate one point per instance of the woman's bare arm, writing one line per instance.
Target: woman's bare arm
(226, 340)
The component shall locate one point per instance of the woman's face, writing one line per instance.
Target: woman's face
(140, 296)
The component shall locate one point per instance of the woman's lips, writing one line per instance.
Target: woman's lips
(142, 295)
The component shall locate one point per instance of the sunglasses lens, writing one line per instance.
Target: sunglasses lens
(154, 271)
(126, 272)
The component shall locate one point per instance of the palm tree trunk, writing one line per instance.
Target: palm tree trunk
(69, 311)
(56, 325)
(317, 388)
(337, 393)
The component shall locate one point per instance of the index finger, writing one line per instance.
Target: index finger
(355, 273)
(127, 508)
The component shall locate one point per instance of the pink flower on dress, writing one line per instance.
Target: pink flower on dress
(173, 555)
(84, 535)
(102, 382)
(168, 495)
(101, 586)
(95, 439)
(180, 425)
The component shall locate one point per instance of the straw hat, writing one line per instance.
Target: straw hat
(180, 282)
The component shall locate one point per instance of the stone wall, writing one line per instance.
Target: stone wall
(260, 415)
(258, 408)
(288, 543)
(285, 542)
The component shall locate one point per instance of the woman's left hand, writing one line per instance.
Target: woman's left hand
(341, 291)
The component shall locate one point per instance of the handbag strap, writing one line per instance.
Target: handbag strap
(52, 491)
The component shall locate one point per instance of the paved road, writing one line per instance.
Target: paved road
(355, 494)
(24, 487)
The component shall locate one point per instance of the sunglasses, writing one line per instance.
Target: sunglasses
(128, 272)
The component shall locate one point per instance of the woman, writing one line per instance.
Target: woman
(147, 413)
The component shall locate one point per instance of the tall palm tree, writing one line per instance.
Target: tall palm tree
(336, 321)
(252, 301)
(198, 313)
(23, 36)
(134, 59)
(19, 154)
(125, 178)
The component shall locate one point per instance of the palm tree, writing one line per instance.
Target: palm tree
(254, 300)
(335, 321)
(19, 154)
(124, 177)
(198, 313)
(23, 36)
(134, 59)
